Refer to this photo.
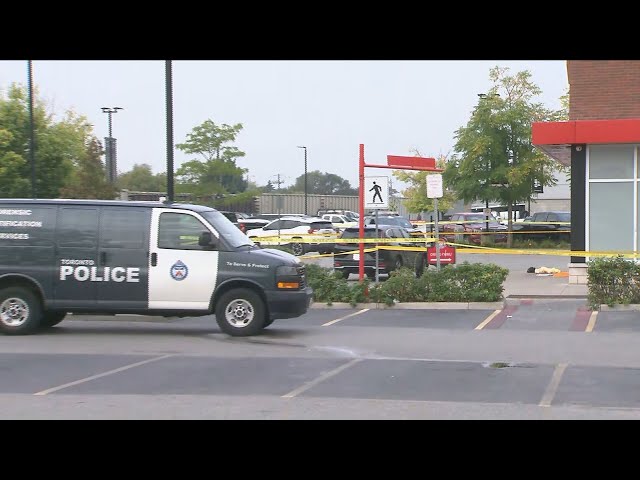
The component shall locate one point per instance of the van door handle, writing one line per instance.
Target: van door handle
(154, 259)
(103, 258)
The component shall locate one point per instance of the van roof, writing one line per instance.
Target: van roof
(115, 203)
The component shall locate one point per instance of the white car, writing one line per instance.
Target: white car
(339, 222)
(292, 226)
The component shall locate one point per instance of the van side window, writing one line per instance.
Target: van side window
(180, 231)
(78, 227)
(117, 231)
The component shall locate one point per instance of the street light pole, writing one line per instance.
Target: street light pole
(32, 140)
(305, 180)
(168, 76)
(110, 146)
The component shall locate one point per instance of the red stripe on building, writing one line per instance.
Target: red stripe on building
(586, 131)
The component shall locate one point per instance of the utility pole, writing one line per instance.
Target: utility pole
(278, 182)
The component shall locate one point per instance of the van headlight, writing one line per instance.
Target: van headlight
(286, 270)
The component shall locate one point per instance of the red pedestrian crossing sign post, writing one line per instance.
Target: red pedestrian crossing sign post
(394, 162)
(376, 192)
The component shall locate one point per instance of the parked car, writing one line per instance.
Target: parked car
(471, 226)
(296, 230)
(232, 216)
(388, 260)
(396, 221)
(339, 222)
(275, 216)
(352, 216)
(553, 225)
(244, 222)
(250, 223)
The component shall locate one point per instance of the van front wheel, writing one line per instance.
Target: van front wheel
(240, 312)
(20, 311)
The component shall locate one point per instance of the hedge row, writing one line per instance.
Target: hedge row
(613, 280)
(465, 282)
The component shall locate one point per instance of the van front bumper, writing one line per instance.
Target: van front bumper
(289, 304)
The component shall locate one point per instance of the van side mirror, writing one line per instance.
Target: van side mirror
(207, 240)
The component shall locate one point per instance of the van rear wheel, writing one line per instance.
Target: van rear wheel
(20, 311)
(240, 312)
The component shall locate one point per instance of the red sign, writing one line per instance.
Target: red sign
(447, 254)
(411, 162)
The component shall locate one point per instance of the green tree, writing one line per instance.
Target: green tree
(323, 184)
(218, 173)
(88, 177)
(214, 177)
(415, 194)
(495, 159)
(142, 179)
(57, 145)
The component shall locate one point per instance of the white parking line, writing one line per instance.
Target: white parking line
(104, 374)
(592, 322)
(487, 320)
(321, 378)
(552, 388)
(345, 317)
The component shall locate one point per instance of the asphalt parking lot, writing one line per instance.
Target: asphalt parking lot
(534, 359)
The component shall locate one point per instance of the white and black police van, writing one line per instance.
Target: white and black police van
(150, 258)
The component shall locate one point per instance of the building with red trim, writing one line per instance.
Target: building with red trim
(600, 142)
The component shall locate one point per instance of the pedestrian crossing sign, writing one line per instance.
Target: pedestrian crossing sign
(376, 192)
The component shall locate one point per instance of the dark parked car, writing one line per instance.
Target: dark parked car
(552, 225)
(388, 260)
(249, 223)
(244, 222)
(471, 227)
(396, 221)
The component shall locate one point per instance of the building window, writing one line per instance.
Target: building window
(612, 194)
(611, 161)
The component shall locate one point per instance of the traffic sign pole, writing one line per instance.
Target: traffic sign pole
(394, 162)
(435, 207)
(361, 218)
(434, 190)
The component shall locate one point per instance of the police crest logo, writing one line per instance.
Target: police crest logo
(179, 271)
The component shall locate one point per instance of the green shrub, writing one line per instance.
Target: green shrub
(465, 282)
(613, 280)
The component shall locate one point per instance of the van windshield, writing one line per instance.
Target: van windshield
(231, 234)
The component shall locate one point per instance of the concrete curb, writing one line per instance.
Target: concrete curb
(620, 308)
(414, 306)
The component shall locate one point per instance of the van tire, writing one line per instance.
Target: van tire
(52, 318)
(20, 311)
(240, 312)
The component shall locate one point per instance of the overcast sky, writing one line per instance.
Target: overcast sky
(392, 107)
